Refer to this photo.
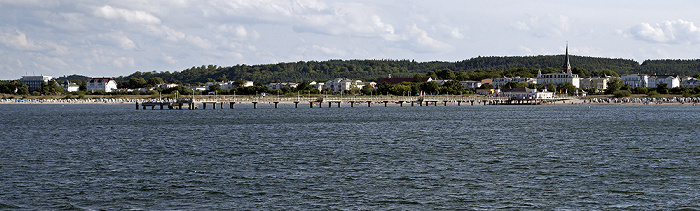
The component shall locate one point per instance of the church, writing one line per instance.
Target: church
(565, 76)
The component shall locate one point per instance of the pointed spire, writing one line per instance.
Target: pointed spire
(567, 66)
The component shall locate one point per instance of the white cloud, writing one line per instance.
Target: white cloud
(674, 32)
(418, 40)
(126, 43)
(168, 59)
(546, 26)
(329, 50)
(18, 40)
(122, 62)
(132, 16)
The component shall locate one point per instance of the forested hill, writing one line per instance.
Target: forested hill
(375, 69)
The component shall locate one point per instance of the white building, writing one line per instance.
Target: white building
(521, 93)
(34, 82)
(343, 84)
(559, 78)
(101, 84)
(501, 82)
(227, 85)
(470, 84)
(669, 80)
(317, 85)
(70, 87)
(636, 80)
(596, 83)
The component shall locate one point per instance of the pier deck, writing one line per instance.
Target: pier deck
(193, 104)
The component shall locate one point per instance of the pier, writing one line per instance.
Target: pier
(321, 102)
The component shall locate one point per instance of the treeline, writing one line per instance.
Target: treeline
(372, 70)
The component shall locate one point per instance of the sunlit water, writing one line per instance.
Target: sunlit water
(407, 158)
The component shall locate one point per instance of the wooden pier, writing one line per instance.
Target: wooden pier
(213, 104)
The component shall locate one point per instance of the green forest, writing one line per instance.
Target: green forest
(371, 70)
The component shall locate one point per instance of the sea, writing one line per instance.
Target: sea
(547, 157)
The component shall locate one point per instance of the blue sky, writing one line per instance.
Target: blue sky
(115, 38)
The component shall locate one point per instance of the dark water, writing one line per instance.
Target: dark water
(406, 158)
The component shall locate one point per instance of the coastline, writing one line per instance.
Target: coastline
(288, 101)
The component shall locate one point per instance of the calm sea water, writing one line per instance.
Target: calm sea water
(86, 157)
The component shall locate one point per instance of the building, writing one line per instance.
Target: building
(343, 84)
(470, 84)
(690, 83)
(70, 87)
(670, 80)
(101, 84)
(559, 78)
(281, 85)
(485, 91)
(597, 83)
(501, 82)
(166, 86)
(523, 93)
(317, 85)
(227, 85)
(34, 82)
(636, 80)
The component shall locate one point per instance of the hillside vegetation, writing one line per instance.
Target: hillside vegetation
(470, 69)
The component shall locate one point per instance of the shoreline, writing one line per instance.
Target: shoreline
(112, 101)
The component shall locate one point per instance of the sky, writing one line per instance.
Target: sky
(117, 38)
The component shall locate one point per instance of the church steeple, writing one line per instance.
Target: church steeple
(567, 67)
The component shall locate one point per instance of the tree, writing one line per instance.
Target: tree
(430, 87)
(22, 89)
(513, 85)
(453, 86)
(486, 86)
(383, 87)
(550, 87)
(135, 83)
(566, 88)
(368, 90)
(622, 93)
(214, 88)
(614, 84)
(241, 82)
(662, 88)
(222, 78)
(155, 81)
(445, 74)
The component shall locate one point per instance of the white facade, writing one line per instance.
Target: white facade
(34, 82)
(343, 84)
(597, 83)
(227, 85)
(101, 84)
(524, 93)
(670, 81)
(470, 84)
(70, 87)
(500, 82)
(636, 80)
(559, 78)
(317, 85)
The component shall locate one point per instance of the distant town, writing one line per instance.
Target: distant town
(543, 86)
